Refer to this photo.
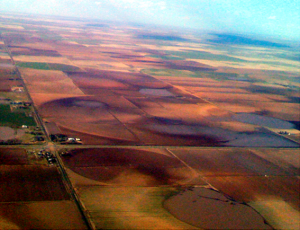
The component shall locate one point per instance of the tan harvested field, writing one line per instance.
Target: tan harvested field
(259, 188)
(278, 212)
(49, 82)
(37, 45)
(238, 108)
(96, 82)
(40, 215)
(130, 208)
(45, 59)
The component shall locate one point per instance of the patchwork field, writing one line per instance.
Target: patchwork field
(177, 130)
(34, 193)
(134, 187)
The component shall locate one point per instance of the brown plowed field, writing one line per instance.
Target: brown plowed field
(129, 167)
(252, 188)
(233, 162)
(41, 215)
(34, 52)
(31, 183)
(94, 139)
(5, 85)
(11, 156)
(248, 175)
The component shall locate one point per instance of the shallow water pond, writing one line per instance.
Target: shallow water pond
(263, 121)
(157, 92)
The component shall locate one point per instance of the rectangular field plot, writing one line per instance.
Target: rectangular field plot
(129, 208)
(231, 162)
(40, 215)
(34, 65)
(13, 156)
(129, 167)
(31, 183)
(19, 119)
(259, 188)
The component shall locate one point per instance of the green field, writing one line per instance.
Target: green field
(168, 72)
(3, 54)
(205, 56)
(63, 67)
(87, 41)
(200, 74)
(166, 57)
(34, 65)
(47, 66)
(14, 119)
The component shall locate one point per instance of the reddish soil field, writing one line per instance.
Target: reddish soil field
(90, 139)
(34, 52)
(6, 68)
(252, 188)
(52, 128)
(97, 82)
(153, 134)
(5, 85)
(288, 159)
(31, 183)
(115, 165)
(11, 156)
(123, 76)
(234, 162)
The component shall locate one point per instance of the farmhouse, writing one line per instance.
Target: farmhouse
(18, 89)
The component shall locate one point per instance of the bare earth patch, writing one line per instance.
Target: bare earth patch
(208, 209)
(40, 215)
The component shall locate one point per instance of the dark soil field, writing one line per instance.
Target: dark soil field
(128, 166)
(11, 156)
(31, 183)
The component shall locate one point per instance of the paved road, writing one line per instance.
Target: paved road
(50, 146)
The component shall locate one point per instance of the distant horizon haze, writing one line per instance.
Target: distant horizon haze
(270, 18)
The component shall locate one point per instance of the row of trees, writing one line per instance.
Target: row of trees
(10, 142)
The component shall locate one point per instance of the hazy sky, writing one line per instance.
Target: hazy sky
(276, 18)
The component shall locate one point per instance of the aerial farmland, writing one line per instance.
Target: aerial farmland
(115, 126)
